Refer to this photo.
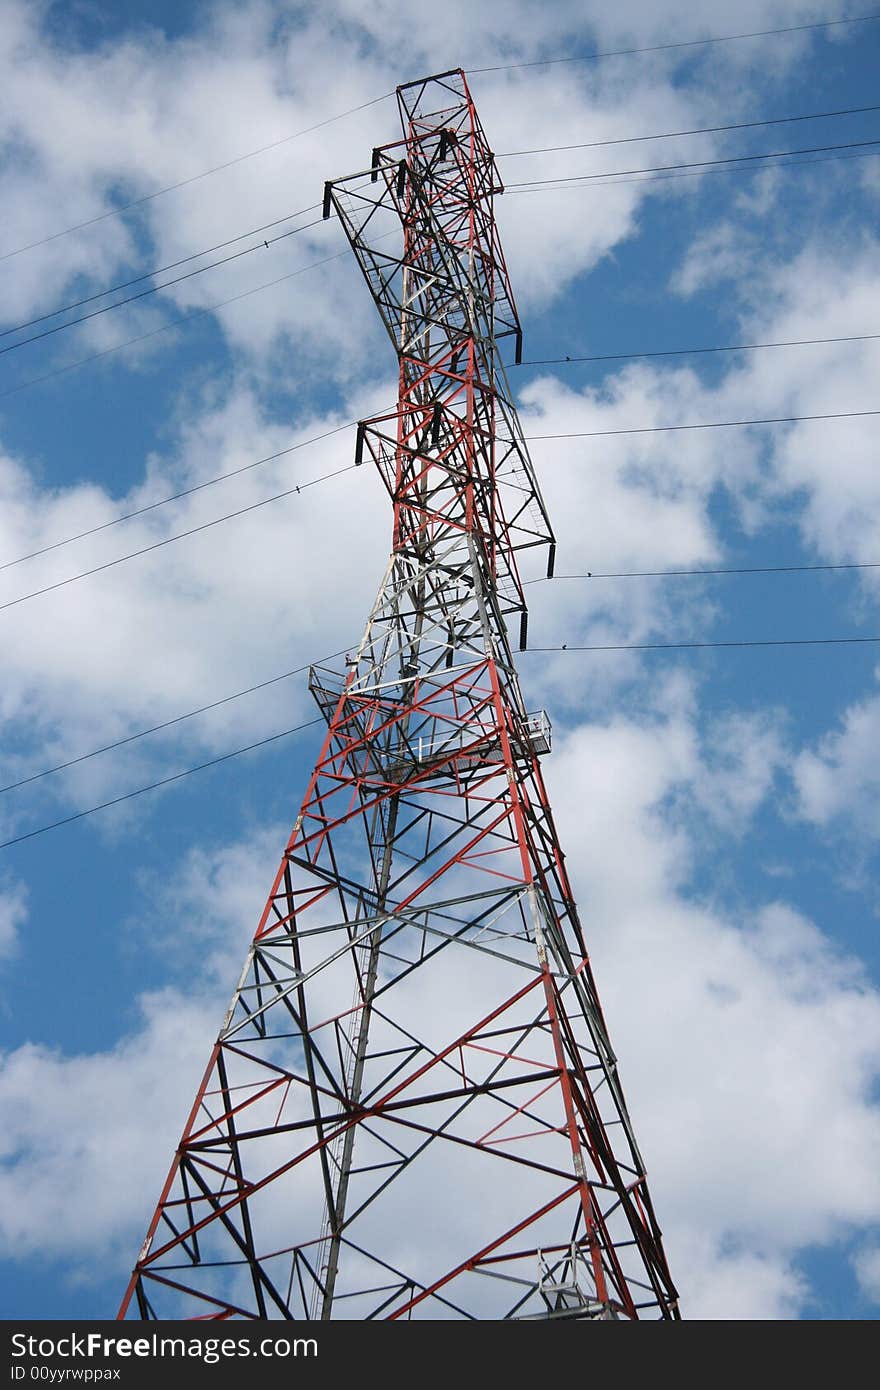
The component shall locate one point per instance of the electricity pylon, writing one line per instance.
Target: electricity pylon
(412, 1109)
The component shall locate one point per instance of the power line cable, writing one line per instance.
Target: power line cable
(297, 728)
(695, 351)
(157, 270)
(169, 723)
(176, 496)
(701, 173)
(697, 130)
(666, 47)
(737, 159)
(705, 425)
(286, 675)
(154, 289)
(194, 178)
(737, 569)
(163, 782)
(688, 646)
(172, 323)
(180, 535)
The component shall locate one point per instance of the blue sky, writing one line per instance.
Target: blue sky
(719, 809)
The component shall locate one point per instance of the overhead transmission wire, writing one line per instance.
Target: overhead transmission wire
(562, 180)
(731, 569)
(527, 362)
(172, 323)
(176, 496)
(703, 425)
(301, 212)
(194, 178)
(573, 187)
(169, 723)
(154, 289)
(694, 351)
(179, 536)
(165, 327)
(228, 516)
(682, 43)
(694, 646)
(163, 782)
(162, 269)
(297, 728)
(312, 482)
(697, 130)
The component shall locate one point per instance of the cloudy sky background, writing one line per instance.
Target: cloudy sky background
(719, 808)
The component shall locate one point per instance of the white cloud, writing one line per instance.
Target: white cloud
(840, 777)
(95, 1132)
(157, 630)
(732, 1029)
(79, 1167)
(867, 1267)
(741, 762)
(619, 504)
(13, 914)
(218, 893)
(650, 494)
(724, 252)
(825, 287)
(748, 1287)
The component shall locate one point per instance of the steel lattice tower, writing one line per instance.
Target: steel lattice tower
(412, 1108)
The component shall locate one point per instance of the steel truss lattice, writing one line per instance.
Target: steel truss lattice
(412, 1108)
